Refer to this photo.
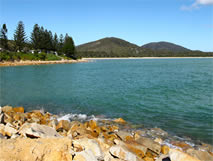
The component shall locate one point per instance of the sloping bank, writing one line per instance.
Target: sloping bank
(37, 135)
(40, 62)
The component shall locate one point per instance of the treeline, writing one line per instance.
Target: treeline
(40, 41)
(146, 53)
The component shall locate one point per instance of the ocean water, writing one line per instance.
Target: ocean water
(173, 94)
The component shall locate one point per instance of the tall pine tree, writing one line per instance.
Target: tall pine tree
(69, 47)
(20, 36)
(36, 37)
(3, 37)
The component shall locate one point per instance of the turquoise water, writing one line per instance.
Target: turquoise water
(173, 94)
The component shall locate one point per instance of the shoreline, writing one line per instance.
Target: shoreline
(40, 62)
(143, 58)
(39, 135)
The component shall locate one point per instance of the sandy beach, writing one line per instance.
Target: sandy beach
(144, 58)
(39, 62)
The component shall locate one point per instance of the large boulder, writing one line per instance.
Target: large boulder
(86, 155)
(89, 144)
(46, 149)
(18, 109)
(177, 155)
(6, 109)
(9, 130)
(202, 155)
(121, 152)
(37, 131)
(63, 125)
(150, 144)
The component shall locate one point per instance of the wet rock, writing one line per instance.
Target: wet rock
(63, 124)
(177, 155)
(120, 120)
(150, 144)
(37, 131)
(121, 152)
(202, 155)
(184, 146)
(86, 155)
(18, 109)
(164, 149)
(158, 132)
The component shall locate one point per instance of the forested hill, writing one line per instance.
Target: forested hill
(109, 47)
(165, 46)
(115, 47)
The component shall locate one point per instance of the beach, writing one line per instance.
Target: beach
(40, 62)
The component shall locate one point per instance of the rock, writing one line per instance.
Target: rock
(202, 155)
(0, 109)
(63, 124)
(37, 131)
(120, 120)
(53, 123)
(86, 155)
(1, 118)
(2, 129)
(159, 140)
(123, 135)
(182, 145)
(7, 118)
(122, 152)
(2, 136)
(163, 157)
(6, 109)
(150, 144)
(137, 149)
(158, 132)
(177, 155)
(46, 149)
(18, 109)
(148, 159)
(9, 130)
(164, 149)
(89, 144)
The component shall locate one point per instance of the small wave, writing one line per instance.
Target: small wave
(80, 117)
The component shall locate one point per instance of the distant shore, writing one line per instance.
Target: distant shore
(143, 58)
(40, 62)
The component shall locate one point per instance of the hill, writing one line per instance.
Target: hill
(115, 47)
(167, 46)
(109, 46)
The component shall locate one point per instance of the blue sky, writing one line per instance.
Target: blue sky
(185, 22)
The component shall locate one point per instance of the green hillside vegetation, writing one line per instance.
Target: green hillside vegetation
(165, 46)
(114, 47)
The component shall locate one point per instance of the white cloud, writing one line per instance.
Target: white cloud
(197, 4)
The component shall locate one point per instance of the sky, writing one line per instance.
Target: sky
(188, 23)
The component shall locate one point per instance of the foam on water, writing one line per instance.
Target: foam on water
(80, 117)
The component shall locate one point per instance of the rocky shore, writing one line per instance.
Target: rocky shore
(39, 62)
(38, 136)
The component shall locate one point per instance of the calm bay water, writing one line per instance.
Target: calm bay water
(173, 94)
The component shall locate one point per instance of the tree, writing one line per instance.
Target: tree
(61, 43)
(36, 37)
(69, 47)
(3, 37)
(55, 42)
(20, 36)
